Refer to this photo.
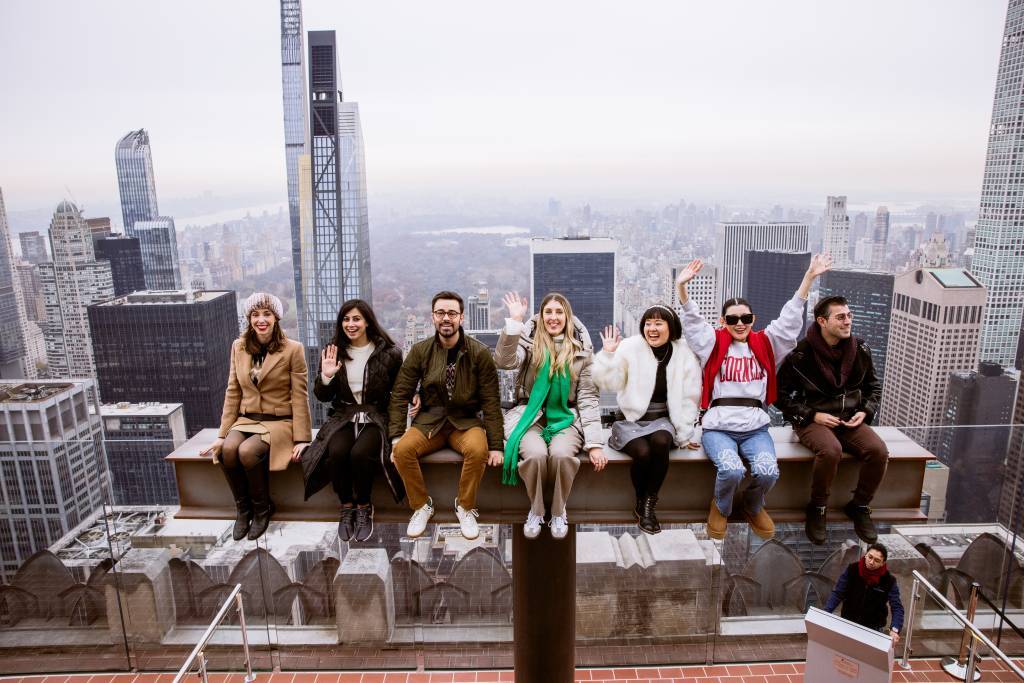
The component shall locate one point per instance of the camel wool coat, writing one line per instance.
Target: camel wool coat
(281, 391)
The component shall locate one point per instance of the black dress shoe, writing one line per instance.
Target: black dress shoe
(815, 524)
(347, 524)
(863, 525)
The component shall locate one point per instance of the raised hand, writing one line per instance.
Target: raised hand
(689, 272)
(610, 338)
(329, 364)
(820, 263)
(516, 305)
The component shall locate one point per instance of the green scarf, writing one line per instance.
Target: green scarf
(554, 396)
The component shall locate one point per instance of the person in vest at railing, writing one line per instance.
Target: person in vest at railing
(657, 380)
(829, 392)
(739, 385)
(457, 382)
(868, 592)
(557, 409)
(357, 370)
(266, 412)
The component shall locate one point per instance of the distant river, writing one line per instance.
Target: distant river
(230, 214)
(488, 230)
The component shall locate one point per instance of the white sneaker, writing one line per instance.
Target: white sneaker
(532, 527)
(419, 519)
(467, 521)
(559, 526)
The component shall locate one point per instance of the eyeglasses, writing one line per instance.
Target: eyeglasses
(746, 319)
(842, 317)
(452, 315)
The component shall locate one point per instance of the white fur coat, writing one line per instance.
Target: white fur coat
(631, 372)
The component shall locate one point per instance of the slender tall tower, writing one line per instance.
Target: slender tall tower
(13, 323)
(335, 242)
(879, 239)
(998, 262)
(135, 179)
(836, 240)
(296, 130)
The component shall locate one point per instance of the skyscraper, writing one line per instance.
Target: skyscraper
(879, 239)
(935, 330)
(702, 290)
(836, 235)
(13, 363)
(770, 280)
(159, 247)
(998, 262)
(972, 441)
(135, 179)
(51, 464)
(167, 347)
(125, 257)
(869, 296)
(583, 269)
(336, 239)
(733, 240)
(1011, 496)
(99, 227)
(296, 131)
(478, 311)
(138, 437)
(73, 281)
(33, 247)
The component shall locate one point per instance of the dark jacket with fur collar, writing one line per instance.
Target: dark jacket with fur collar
(803, 390)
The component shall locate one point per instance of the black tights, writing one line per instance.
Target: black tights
(650, 461)
(353, 461)
(247, 450)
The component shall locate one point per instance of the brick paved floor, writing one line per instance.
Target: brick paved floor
(923, 670)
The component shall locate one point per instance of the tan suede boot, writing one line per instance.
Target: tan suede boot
(717, 523)
(761, 523)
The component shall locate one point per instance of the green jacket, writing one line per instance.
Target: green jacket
(476, 390)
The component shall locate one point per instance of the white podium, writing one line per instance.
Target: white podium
(840, 651)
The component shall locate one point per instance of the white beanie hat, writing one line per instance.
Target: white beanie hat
(263, 300)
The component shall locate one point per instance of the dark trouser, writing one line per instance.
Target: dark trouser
(828, 445)
(650, 461)
(354, 461)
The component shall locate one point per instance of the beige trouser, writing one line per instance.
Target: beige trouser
(540, 462)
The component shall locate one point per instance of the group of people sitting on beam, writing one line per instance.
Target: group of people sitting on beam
(679, 383)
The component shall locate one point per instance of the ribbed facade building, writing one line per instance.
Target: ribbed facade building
(296, 130)
(734, 239)
(770, 280)
(879, 240)
(135, 180)
(869, 296)
(836, 231)
(125, 257)
(71, 282)
(336, 238)
(13, 321)
(139, 436)
(581, 268)
(998, 261)
(159, 247)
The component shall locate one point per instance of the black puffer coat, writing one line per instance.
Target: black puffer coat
(378, 378)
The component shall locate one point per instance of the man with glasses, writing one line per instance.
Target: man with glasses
(458, 381)
(829, 393)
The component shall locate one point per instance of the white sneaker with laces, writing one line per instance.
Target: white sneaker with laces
(419, 519)
(467, 521)
(559, 526)
(531, 529)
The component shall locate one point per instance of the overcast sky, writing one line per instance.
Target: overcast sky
(739, 99)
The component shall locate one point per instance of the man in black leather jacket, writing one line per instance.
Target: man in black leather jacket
(828, 391)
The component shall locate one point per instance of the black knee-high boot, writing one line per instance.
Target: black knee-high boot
(259, 490)
(243, 504)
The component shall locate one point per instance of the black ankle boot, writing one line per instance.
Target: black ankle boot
(243, 504)
(815, 524)
(863, 525)
(648, 520)
(262, 506)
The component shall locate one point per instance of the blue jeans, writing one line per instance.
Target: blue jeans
(757, 449)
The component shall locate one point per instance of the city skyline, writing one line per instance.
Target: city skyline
(520, 123)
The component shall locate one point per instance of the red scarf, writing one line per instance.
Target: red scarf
(871, 577)
(760, 346)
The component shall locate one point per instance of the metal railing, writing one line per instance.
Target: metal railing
(199, 652)
(971, 632)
